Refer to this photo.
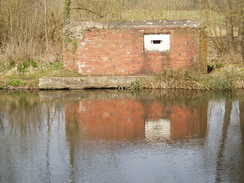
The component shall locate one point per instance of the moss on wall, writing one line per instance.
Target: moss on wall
(203, 51)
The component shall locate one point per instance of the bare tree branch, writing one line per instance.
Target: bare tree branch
(90, 11)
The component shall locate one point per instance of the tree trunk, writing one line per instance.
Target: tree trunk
(46, 28)
(240, 36)
(230, 24)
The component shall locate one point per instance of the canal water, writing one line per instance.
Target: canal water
(121, 137)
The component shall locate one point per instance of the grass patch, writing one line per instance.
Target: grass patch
(136, 85)
(222, 79)
(22, 67)
(27, 74)
(15, 82)
(221, 83)
(177, 79)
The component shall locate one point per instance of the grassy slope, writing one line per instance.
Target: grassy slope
(28, 77)
(226, 77)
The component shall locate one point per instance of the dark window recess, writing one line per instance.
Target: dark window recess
(157, 41)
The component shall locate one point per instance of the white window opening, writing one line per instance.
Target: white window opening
(156, 42)
(158, 129)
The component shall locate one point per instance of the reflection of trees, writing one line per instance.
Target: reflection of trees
(242, 120)
(220, 155)
(153, 105)
(32, 137)
(229, 154)
(25, 112)
(1, 121)
(242, 126)
(22, 111)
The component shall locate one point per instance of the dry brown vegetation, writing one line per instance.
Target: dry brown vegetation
(226, 78)
(23, 26)
(31, 31)
(225, 25)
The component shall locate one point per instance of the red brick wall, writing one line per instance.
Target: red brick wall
(121, 52)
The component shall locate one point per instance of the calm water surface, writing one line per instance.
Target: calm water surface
(120, 137)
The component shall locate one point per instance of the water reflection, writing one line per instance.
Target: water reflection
(136, 118)
(224, 142)
(111, 136)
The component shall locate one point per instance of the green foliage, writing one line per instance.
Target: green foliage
(67, 39)
(136, 85)
(15, 93)
(221, 80)
(218, 65)
(74, 46)
(25, 65)
(32, 63)
(15, 82)
(22, 67)
(74, 43)
(57, 65)
(9, 66)
(224, 81)
(23, 101)
(193, 76)
(11, 63)
(66, 12)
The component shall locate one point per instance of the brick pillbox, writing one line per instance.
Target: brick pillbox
(131, 48)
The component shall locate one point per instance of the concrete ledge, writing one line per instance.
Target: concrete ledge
(76, 83)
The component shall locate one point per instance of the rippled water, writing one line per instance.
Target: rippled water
(119, 137)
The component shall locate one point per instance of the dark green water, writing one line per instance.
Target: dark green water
(119, 137)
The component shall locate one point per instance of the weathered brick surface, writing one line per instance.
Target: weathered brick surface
(121, 51)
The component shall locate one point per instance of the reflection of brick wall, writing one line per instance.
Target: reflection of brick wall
(113, 119)
(121, 52)
(154, 110)
(186, 122)
(117, 119)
